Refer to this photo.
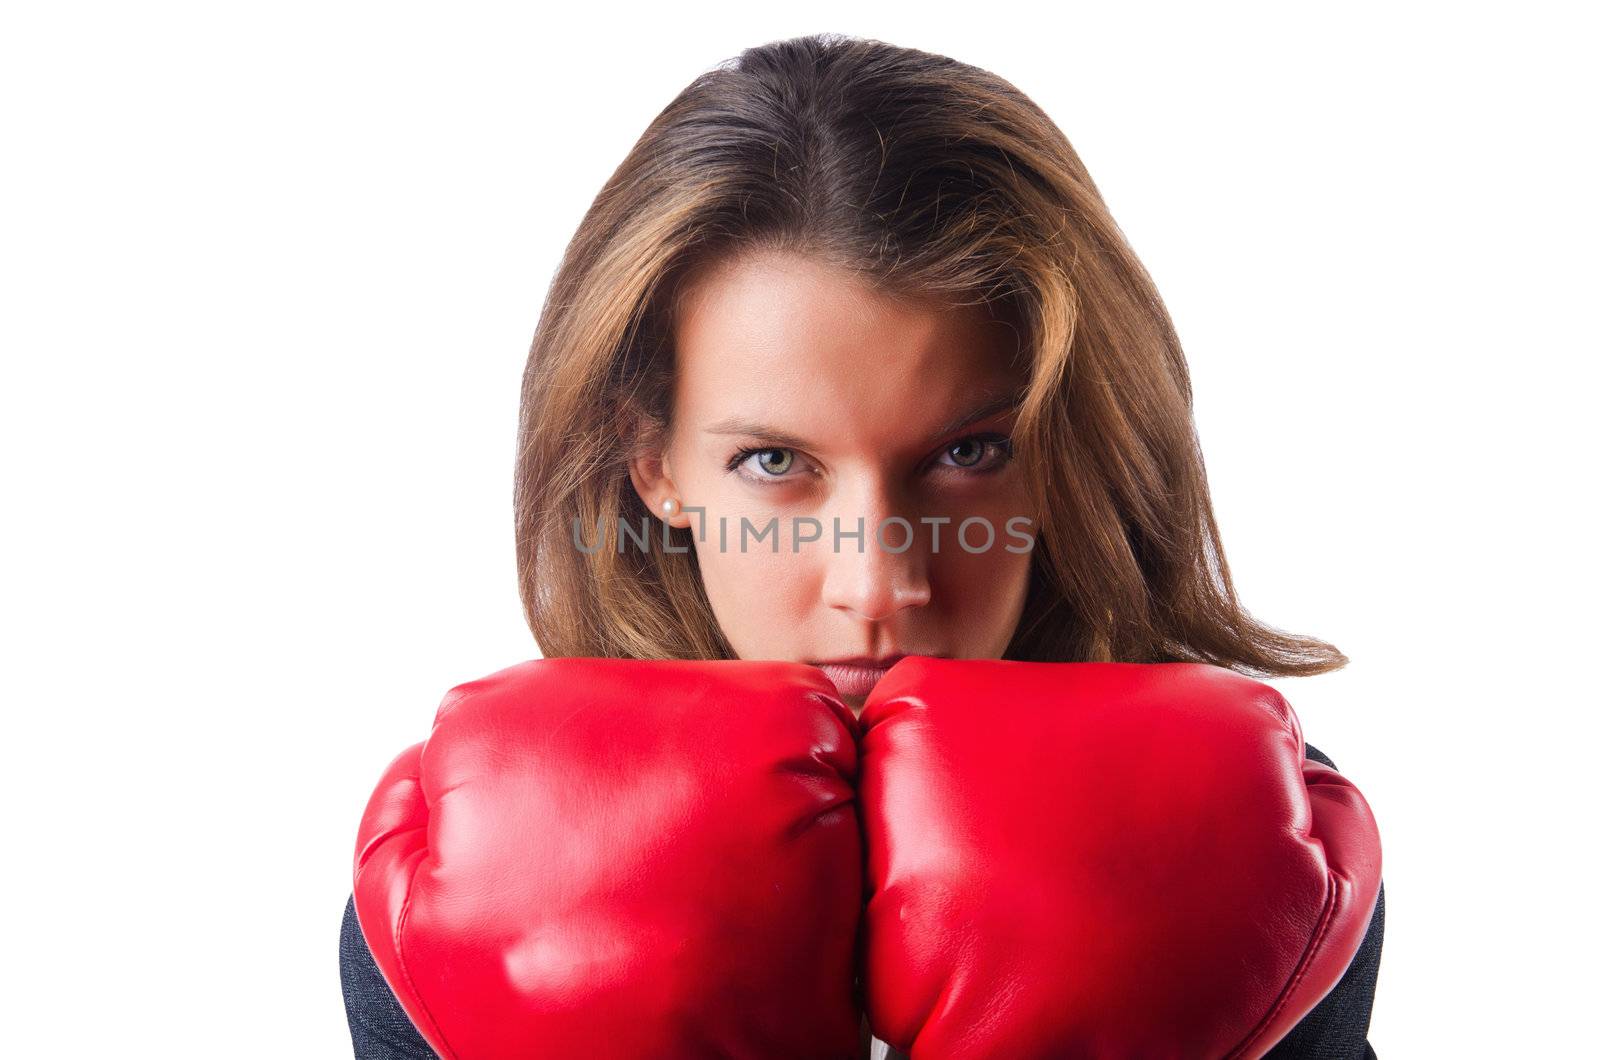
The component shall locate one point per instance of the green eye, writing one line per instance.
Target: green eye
(970, 453)
(776, 467)
(775, 464)
(974, 445)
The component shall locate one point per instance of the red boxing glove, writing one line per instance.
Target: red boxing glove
(623, 858)
(1101, 859)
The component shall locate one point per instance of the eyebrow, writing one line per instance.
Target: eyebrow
(992, 406)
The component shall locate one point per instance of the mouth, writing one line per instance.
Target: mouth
(855, 676)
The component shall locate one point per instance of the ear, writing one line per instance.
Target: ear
(650, 469)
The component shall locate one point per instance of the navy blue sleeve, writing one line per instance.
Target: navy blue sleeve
(1337, 1028)
(379, 1027)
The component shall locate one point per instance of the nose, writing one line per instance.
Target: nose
(865, 578)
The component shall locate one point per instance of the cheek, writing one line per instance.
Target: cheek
(980, 595)
(983, 584)
(760, 599)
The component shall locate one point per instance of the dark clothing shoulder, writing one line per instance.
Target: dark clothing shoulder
(379, 1027)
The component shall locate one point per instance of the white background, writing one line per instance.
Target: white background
(270, 272)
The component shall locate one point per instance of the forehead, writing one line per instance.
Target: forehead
(807, 345)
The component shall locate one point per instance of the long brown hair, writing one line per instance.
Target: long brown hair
(925, 176)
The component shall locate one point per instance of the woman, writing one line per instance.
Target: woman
(838, 284)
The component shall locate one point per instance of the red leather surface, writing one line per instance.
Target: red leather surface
(1100, 860)
(622, 858)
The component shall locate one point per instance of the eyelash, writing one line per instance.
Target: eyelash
(999, 442)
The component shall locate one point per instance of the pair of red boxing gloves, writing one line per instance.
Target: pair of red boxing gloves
(629, 858)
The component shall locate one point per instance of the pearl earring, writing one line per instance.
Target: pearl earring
(669, 507)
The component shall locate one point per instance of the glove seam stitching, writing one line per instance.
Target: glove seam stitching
(400, 932)
(1330, 908)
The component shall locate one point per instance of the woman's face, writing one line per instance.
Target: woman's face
(807, 405)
